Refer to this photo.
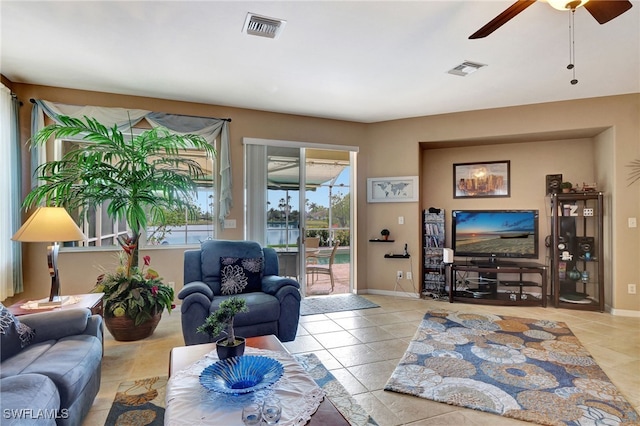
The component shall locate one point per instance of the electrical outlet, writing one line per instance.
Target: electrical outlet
(399, 275)
(172, 285)
(409, 275)
(631, 288)
(400, 220)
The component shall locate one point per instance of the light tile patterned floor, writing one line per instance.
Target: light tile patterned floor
(361, 348)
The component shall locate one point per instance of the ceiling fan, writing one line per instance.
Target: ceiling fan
(602, 10)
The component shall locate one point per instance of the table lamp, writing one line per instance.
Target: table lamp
(50, 224)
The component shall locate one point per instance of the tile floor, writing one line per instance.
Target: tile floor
(361, 348)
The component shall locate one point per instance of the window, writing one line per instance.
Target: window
(179, 226)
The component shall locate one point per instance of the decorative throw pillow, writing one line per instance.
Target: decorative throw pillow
(14, 335)
(239, 275)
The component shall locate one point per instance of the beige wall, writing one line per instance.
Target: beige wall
(79, 270)
(394, 149)
(602, 132)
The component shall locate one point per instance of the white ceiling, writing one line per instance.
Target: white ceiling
(353, 60)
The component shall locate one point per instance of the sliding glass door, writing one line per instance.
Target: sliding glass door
(299, 201)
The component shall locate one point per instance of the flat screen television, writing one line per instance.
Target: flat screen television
(494, 234)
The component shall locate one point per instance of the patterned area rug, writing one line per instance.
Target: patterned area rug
(526, 369)
(141, 402)
(337, 303)
(338, 395)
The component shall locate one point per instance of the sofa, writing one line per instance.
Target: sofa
(50, 367)
(221, 269)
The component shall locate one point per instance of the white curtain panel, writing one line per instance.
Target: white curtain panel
(10, 257)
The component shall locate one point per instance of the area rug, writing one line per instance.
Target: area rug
(337, 303)
(344, 402)
(526, 369)
(141, 402)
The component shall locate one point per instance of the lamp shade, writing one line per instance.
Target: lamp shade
(49, 224)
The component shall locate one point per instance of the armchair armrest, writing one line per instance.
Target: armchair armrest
(195, 287)
(271, 284)
(55, 325)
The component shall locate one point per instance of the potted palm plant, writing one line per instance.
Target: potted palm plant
(139, 178)
(221, 322)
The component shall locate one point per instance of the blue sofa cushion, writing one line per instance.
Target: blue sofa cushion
(240, 275)
(262, 308)
(14, 335)
(212, 250)
(36, 395)
(69, 363)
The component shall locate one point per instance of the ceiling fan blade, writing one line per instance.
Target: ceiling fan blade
(503, 18)
(605, 10)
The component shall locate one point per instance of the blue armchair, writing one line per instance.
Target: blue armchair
(221, 269)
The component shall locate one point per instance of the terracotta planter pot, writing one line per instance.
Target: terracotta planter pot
(225, 351)
(123, 328)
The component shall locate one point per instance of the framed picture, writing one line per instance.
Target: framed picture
(399, 189)
(478, 180)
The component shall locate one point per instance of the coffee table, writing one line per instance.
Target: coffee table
(183, 356)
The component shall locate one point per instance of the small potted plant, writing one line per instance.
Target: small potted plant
(566, 186)
(385, 234)
(221, 321)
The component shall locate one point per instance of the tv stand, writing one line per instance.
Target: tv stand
(499, 283)
(490, 263)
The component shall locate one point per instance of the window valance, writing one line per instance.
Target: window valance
(208, 128)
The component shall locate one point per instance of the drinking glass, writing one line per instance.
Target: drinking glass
(252, 414)
(271, 410)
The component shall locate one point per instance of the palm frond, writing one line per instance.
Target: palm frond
(634, 174)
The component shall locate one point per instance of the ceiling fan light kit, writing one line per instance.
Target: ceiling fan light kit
(602, 11)
(566, 5)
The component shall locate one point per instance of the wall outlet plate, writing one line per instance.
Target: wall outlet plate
(587, 212)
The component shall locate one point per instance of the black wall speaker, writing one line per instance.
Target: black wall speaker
(586, 247)
(553, 183)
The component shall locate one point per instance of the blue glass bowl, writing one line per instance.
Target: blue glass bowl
(242, 374)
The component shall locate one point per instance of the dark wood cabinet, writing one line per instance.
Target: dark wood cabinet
(576, 251)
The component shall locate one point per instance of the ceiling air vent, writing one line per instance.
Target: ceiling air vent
(262, 26)
(466, 68)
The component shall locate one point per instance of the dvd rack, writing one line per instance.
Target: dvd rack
(433, 241)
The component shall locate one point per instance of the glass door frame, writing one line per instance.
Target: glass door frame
(253, 166)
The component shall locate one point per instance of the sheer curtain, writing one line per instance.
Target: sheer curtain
(10, 196)
(208, 128)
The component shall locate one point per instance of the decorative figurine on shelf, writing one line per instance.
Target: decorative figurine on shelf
(574, 274)
(385, 234)
(585, 276)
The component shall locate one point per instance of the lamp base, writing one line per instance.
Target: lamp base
(56, 302)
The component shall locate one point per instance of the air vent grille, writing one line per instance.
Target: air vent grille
(263, 26)
(466, 68)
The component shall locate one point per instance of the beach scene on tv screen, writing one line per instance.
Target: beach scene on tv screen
(486, 233)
